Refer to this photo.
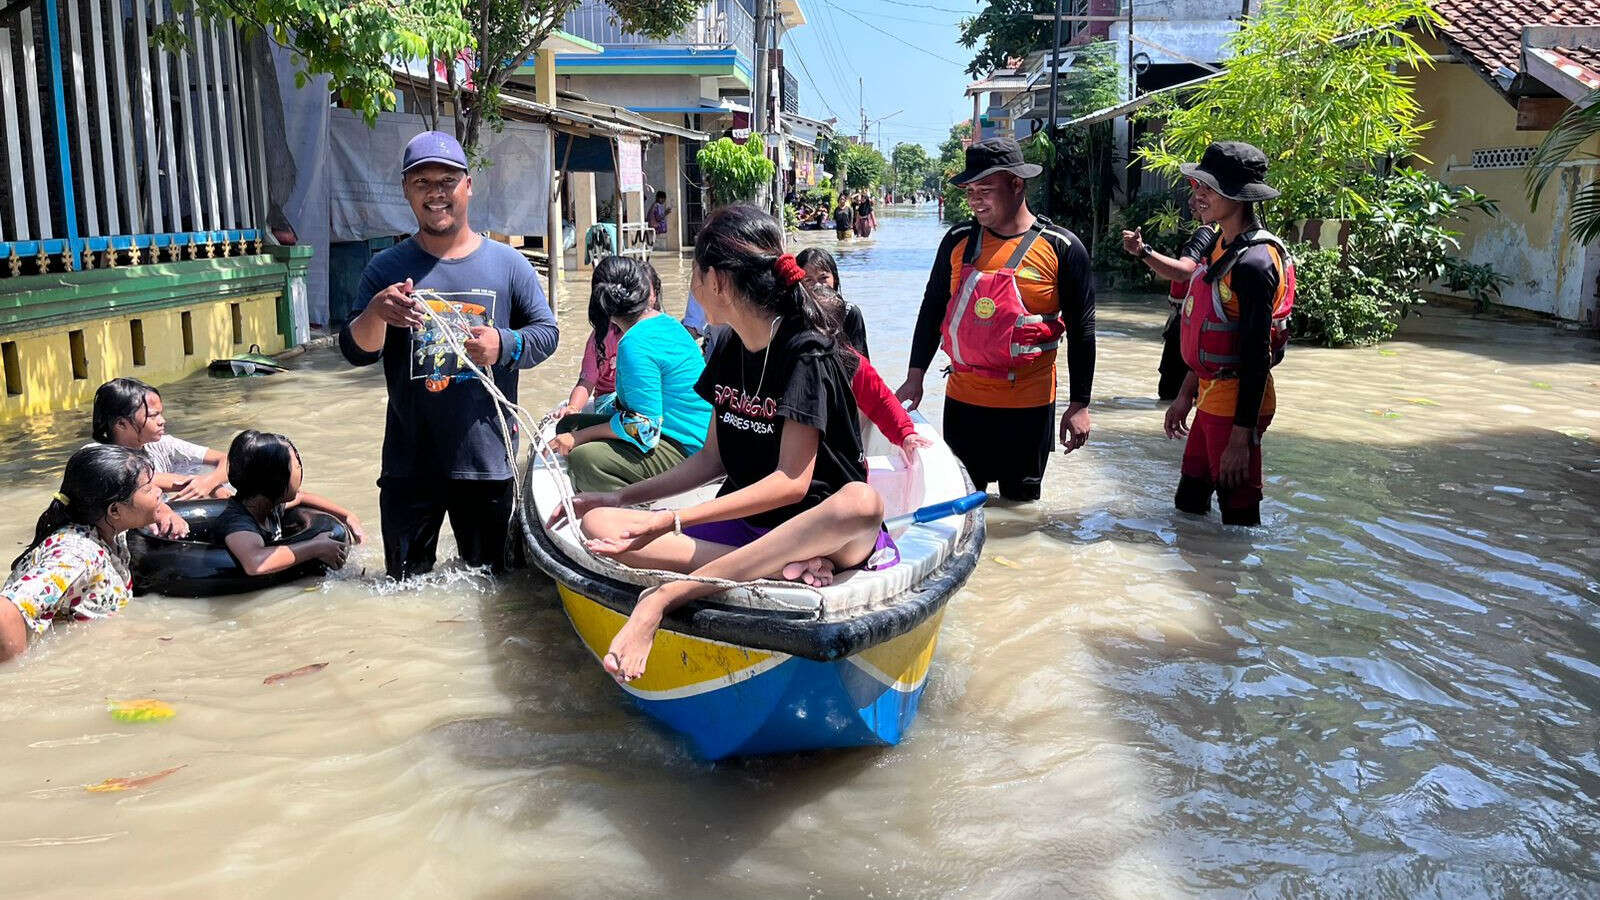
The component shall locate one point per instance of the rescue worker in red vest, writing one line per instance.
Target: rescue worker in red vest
(1178, 270)
(1234, 325)
(1005, 291)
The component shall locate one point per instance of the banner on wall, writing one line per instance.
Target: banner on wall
(509, 195)
(630, 165)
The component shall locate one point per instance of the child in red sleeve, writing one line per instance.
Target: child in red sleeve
(873, 396)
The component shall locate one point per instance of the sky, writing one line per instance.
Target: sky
(904, 52)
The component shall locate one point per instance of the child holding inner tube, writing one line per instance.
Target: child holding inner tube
(129, 413)
(77, 566)
(794, 502)
(265, 470)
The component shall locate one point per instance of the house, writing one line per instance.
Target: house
(1504, 73)
(805, 138)
(701, 79)
(991, 94)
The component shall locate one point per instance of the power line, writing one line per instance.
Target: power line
(890, 34)
(800, 58)
(927, 6)
(878, 15)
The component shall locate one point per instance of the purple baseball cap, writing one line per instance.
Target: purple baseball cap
(434, 148)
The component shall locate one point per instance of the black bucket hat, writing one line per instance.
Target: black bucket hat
(1235, 170)
(984, 158)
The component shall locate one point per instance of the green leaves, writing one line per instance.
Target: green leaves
(734, 173)
(1578, 125)
(1320, 86)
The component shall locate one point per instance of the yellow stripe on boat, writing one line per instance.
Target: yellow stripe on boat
(679, 665)
(903, 662)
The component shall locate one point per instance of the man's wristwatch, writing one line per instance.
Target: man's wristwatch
(1145, 251)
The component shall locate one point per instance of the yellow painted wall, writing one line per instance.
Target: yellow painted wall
(1549, 272)
(47, 383)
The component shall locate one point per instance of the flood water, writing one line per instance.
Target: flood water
(1392, 688)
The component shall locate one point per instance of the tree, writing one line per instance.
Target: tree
(1577, 125)
(952, 159)
(910, 164)
(1321, 86)
(863, 166)
(735, 172)
(471, 47)
(1004, 29)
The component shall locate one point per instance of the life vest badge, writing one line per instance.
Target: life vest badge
(1188, 306)
(984, 308)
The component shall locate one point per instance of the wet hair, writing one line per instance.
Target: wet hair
(661, 195)
(621, 288)
(96, 477)
(118, 400)
(744, 243)
(259, 465)
(815, 260)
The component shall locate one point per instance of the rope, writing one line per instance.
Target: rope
(539, 448)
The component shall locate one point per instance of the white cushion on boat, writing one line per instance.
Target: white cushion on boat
(923, 548)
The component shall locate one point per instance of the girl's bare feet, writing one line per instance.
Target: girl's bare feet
(816, 571)
(626, 657)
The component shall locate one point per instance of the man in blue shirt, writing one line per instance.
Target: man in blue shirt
(443, 449)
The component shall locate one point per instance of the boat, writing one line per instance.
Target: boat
(777, 668)
(245, 365)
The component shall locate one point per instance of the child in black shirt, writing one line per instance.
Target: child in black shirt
(794, 502)
(265, 471)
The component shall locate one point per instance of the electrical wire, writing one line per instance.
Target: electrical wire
(893, 36)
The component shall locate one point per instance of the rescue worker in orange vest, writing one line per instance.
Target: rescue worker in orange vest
(1006, 289)
(1234, 326)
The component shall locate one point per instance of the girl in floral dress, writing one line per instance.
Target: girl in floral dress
(77, 566)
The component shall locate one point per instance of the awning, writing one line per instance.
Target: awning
(1122, 109)
(513, 106)
(624, 115)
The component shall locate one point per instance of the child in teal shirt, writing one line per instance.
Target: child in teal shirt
(659, 420)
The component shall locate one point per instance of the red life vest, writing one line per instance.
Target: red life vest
(987, 329)
(1210, 339)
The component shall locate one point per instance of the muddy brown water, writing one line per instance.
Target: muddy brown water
(1390, 689)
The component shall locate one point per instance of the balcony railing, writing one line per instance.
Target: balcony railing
(718, 24)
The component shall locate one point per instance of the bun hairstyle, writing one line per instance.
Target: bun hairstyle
(258, 465)
(120, 399)
(96, 477)
(618, 283)
(746, 245)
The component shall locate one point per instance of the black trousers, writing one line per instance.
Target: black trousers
(413, 509)
(1172, 367)
(1011, 446)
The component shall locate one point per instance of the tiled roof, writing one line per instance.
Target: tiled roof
(1489, 32)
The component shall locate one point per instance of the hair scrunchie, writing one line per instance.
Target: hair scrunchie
(789, 270)
(62, 498)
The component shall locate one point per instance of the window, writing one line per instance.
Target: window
(136, 339)
(1502, 157)
(188, 333)
(237, 313)
(13, 368)
(80, 356)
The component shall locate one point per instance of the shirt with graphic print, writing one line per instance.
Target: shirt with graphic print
(71, 575)
(440, 424)
(1054, 276)
(799, 377)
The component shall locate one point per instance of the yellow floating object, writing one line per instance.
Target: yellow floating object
(1422, 401)
(141, 711)
(1008, 563)
(126, 784)
(1388, 353)
(1384, 413)
(1542, 385)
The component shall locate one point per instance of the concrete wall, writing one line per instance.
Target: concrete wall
(636, 90)
(1550, 273)
(41, 374)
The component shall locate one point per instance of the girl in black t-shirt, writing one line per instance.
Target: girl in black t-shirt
(265, 471)
(794, 501)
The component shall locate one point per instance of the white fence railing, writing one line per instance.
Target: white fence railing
(112, 147)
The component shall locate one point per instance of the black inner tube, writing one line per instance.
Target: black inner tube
(200, 566)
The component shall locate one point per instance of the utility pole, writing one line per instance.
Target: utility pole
(861, 88)
(758, 98)
(1050, 126)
